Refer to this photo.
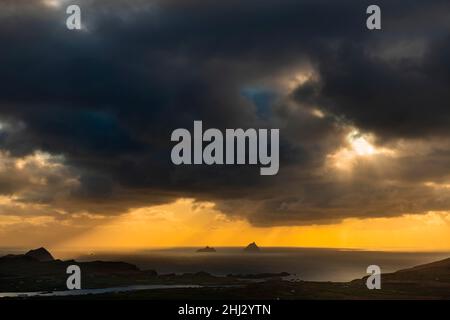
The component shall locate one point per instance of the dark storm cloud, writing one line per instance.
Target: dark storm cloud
(108, 97)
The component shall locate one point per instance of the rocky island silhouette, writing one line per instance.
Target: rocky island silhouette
(252, 247)
(206, 249)
(38, 271)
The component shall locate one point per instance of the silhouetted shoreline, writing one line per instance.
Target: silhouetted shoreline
(114, 279)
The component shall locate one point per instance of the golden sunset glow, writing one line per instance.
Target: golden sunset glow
(358, 147)
(361, 162)
(224, 151)
(184, 223)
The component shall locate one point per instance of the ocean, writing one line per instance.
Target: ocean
(303, 263)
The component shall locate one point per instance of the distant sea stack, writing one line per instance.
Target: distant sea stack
(40, 254)
(206, 249)
(252, 247)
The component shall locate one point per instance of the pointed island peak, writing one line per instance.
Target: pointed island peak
(252, 247)
(207, 249)
(40, 254)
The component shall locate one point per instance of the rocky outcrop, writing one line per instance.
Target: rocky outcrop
(40, 254)
(252, 247)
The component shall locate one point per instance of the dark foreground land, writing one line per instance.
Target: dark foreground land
(40, 272)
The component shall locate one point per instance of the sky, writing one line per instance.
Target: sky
(86, 118)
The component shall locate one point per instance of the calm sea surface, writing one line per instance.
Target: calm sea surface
(307, 264)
